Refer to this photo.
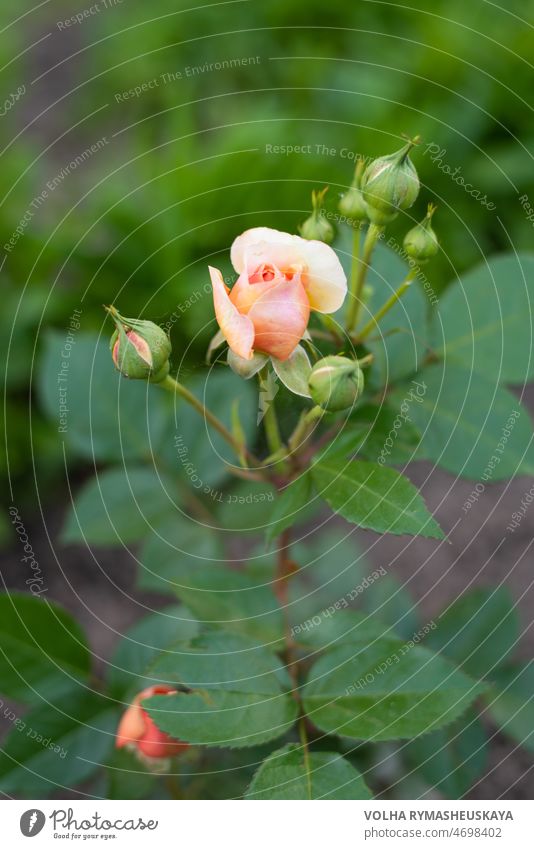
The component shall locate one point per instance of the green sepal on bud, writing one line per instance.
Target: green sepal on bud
(421, 243)
(352, 204)
(336, 383)
(139, 349)
(316, 226)
(390, 184)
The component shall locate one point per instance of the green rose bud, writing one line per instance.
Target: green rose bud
(316, 226)
(336, 383)
(421, 243)
(390, 184)
(139, 349)
(352, 204)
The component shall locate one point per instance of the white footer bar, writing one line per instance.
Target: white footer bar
(268, 825)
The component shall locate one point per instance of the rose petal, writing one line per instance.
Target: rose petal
(131, 726)
(280, 317)
(324, 279)
(253, 237)
(238, 329)
(243, 293)
(323, 275)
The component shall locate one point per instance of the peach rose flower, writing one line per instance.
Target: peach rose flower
(137, 730)
(281, 278)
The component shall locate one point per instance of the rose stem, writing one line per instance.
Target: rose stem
(284, 570)
(172, 385)
(270, 421)
(391, 301)
(302, 429)
(359, 273)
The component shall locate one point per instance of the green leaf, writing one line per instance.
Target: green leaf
(380, 434)
(287, 506)
(118, 506)
(287, 774)
(463, 417)
(451, 759)
(510, 703)
(182, 544)
(478, 630)
(246, 368)
(55, 747)
(334, 624)
(344, 627)
(108, 417)
(139, 647)
(245, 507)
(235, 697)
(214, 593)
(334, 575)
(385, 690)
(42, 649)
(332, 567)
(294, 372)
(374, 497)
(485, 321)
(388, 599)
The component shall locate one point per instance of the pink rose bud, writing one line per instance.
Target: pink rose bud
(142, 348)
(281, 278)
(139, 349)
(137, 730)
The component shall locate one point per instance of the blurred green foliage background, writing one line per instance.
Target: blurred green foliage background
(183, 166)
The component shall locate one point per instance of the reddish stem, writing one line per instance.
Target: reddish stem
(285, 568)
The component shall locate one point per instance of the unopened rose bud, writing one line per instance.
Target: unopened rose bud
(336, 383)
(390, 184)
(316, 226)
(140, 349)
(421, 243)
(138, 732)
(352, 204)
